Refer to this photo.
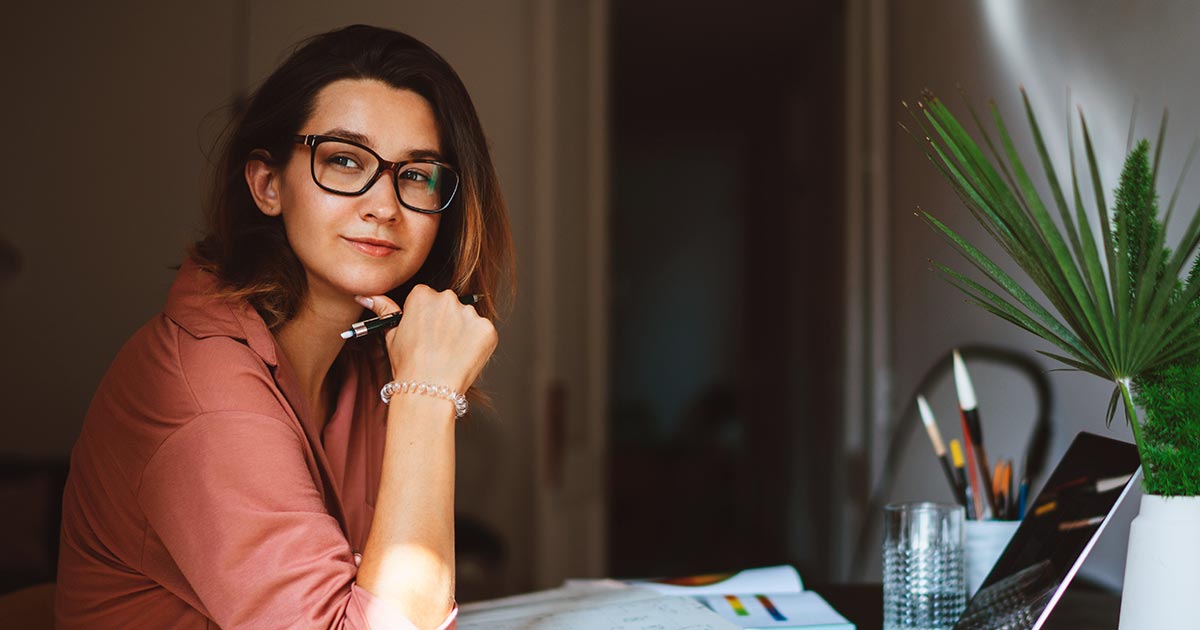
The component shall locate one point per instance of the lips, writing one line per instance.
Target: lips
(372, 246)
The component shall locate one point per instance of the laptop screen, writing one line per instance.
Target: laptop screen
(1060, 527)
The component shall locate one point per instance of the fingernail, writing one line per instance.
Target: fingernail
(366, 302)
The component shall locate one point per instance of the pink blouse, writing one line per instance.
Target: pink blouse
(202, 496)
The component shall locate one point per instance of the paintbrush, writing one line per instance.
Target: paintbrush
(960, 475)
(939, 447)
(969, 408)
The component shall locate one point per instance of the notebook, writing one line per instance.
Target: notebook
(777, 611)
(1061, 526)
(768, 598)
(596, 606)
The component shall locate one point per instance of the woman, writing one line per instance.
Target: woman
(237, 467)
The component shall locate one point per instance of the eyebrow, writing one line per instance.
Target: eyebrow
(354, 136)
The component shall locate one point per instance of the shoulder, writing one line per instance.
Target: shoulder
(167, 386)
(164, 371)
(225, 374)
(165, 379)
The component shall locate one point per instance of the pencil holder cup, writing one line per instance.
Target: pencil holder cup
(985, 541)
(923, 577)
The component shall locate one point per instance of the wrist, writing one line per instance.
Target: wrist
(431, 390)
(429, 374)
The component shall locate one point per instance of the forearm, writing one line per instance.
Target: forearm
(409, 555)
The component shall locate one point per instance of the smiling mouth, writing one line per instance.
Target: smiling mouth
(372, 247)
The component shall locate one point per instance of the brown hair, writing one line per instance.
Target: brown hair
(249, 252)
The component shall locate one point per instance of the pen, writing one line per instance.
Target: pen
(970, 416)
(939, 447)
(367, 326)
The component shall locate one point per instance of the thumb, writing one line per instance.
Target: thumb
(378, 304)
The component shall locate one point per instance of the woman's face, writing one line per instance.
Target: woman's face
(368, 244)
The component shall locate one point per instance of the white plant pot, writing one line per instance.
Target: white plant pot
(1162, 568)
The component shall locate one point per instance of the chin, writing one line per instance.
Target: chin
(374, 283)
(375, 288)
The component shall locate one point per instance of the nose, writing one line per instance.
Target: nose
(380, 202)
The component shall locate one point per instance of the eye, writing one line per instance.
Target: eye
(415, 175)
(344, 161)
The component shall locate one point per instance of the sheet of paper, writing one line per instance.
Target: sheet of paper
(779, 579)
(550, 603)
(777, 610)
(655, 613)
(573, 593)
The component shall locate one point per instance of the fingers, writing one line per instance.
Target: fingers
(424, 297)
(378, 304)
(439, 340)
(421, 294)
(383, 305)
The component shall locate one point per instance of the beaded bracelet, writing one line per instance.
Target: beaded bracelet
(425, 389)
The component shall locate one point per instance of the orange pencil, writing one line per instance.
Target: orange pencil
(1002, 488)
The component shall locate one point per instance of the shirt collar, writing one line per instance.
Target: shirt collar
(195, 303)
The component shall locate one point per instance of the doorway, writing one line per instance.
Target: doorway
(726, 310)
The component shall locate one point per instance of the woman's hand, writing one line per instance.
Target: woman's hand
(409, 555)
(438, 341)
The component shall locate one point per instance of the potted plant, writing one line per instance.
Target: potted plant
(1122, 305)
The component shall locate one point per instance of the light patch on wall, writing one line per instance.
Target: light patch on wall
(1061, 74)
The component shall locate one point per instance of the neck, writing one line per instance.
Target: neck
(311, 342)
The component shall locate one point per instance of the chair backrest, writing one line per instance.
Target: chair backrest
(30, 608)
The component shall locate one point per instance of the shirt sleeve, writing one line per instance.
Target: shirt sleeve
(231, 497)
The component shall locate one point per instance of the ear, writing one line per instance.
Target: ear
(262, 177)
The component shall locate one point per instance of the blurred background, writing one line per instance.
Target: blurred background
(725, 307)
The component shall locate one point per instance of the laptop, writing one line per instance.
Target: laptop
(1061, 526)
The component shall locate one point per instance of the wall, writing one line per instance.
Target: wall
(106, 121)
(111, 110)
(1108, 54)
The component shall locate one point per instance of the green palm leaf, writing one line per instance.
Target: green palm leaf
(1117, 310)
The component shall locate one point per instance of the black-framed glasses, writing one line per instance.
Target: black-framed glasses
(348, 168)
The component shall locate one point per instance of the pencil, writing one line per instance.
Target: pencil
(998, 490)
(1004, 493)
(939, 447)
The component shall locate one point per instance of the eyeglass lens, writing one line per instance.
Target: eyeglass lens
(346, 168)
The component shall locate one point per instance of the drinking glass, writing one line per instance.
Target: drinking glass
(924, 577)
